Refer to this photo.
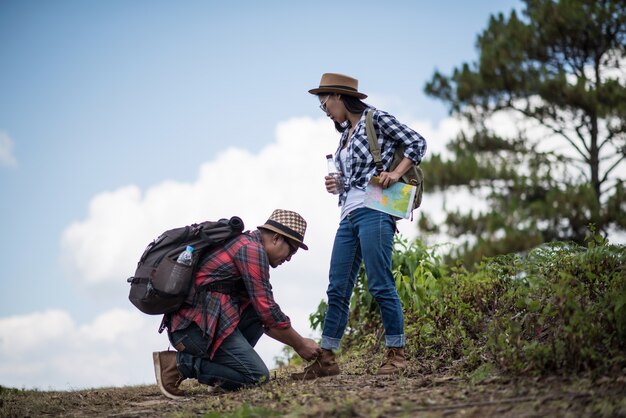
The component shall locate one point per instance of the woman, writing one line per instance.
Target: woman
(364, 234)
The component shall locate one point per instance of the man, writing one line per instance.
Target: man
(215, 336)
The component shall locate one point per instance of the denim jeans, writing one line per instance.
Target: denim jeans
(235, 363)
(363, 235)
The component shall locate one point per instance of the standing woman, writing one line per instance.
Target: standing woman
(364, 234)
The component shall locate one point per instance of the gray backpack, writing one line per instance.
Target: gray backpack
(160, 285)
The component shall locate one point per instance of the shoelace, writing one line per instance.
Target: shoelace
(391, 355)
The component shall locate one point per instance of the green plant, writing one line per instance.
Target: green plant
(560, 307)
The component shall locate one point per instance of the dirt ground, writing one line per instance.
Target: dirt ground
(342, 396)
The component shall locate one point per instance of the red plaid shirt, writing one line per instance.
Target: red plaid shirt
(218, 314)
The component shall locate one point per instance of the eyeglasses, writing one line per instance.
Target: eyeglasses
(292, 248)
(323, 104)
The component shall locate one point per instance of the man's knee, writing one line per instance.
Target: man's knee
(261, 376)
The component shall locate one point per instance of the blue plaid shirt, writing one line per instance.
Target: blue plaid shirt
(390, 133)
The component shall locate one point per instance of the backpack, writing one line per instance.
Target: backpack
(413, 176)
(160, 285)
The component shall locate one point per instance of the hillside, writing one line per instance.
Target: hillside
(523, 335)
(347, 395)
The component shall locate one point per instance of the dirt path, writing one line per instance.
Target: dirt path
(342, 396)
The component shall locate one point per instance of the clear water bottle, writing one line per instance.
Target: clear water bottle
(180, 270)
(186, 256)
(332, 171)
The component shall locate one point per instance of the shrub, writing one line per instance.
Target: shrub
(559, 308)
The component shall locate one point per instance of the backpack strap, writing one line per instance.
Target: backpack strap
(227, 287)
(373, 141)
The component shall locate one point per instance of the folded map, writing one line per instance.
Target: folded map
(396, 200)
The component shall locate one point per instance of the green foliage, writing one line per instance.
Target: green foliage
(287, 357)
(559, 67)
(566, 315)
(559, 308)
(317, 318)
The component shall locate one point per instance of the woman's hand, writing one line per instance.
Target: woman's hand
(388, 178)
(331, 184)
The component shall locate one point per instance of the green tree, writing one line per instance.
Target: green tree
(560, 72)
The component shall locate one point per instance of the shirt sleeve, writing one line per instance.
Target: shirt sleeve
(251, 260)
(392, 129)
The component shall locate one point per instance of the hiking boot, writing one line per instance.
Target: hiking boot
(167, 375)
(395, 362)
(324, 365)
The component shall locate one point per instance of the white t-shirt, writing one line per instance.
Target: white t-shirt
(355, 198)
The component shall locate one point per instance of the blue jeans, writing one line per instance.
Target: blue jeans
(363, 235)
(235, 363)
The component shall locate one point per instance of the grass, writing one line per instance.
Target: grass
(354, 393)
(537, 334)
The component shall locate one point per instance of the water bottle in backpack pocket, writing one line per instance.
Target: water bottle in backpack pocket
(165, 272)
(176, 274)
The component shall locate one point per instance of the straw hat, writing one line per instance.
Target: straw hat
(289, 224)
(338, 83)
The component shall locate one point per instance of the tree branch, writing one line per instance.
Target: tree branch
(608, 139)
(610, 187)
(608, 171)
(556, 130)
(562, 134)
(580, 135)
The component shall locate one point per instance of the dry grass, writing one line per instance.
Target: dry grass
(347, 395)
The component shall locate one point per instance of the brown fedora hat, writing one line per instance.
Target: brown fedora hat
(338, 83)
(289, 224)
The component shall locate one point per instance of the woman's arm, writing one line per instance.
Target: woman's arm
(395, 131)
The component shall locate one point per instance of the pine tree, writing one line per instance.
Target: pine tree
(561, 71)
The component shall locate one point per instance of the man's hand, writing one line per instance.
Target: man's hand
(308, 349)
(305, 347)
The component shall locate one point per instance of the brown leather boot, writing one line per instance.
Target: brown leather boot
(167, 374)
(324, 365)
(395, 363)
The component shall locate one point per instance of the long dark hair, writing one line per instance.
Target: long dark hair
(353, 105)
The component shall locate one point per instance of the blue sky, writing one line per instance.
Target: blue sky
(122, 118)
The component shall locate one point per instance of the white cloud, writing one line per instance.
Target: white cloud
(285, 174)
(49, 350)
(21, 333)
(55, 351)
(437, 137)
(7, 158)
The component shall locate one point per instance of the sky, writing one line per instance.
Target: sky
(121, 119)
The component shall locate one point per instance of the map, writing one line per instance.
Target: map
(396, 200)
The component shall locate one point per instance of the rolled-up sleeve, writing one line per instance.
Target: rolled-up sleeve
(391, 128)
